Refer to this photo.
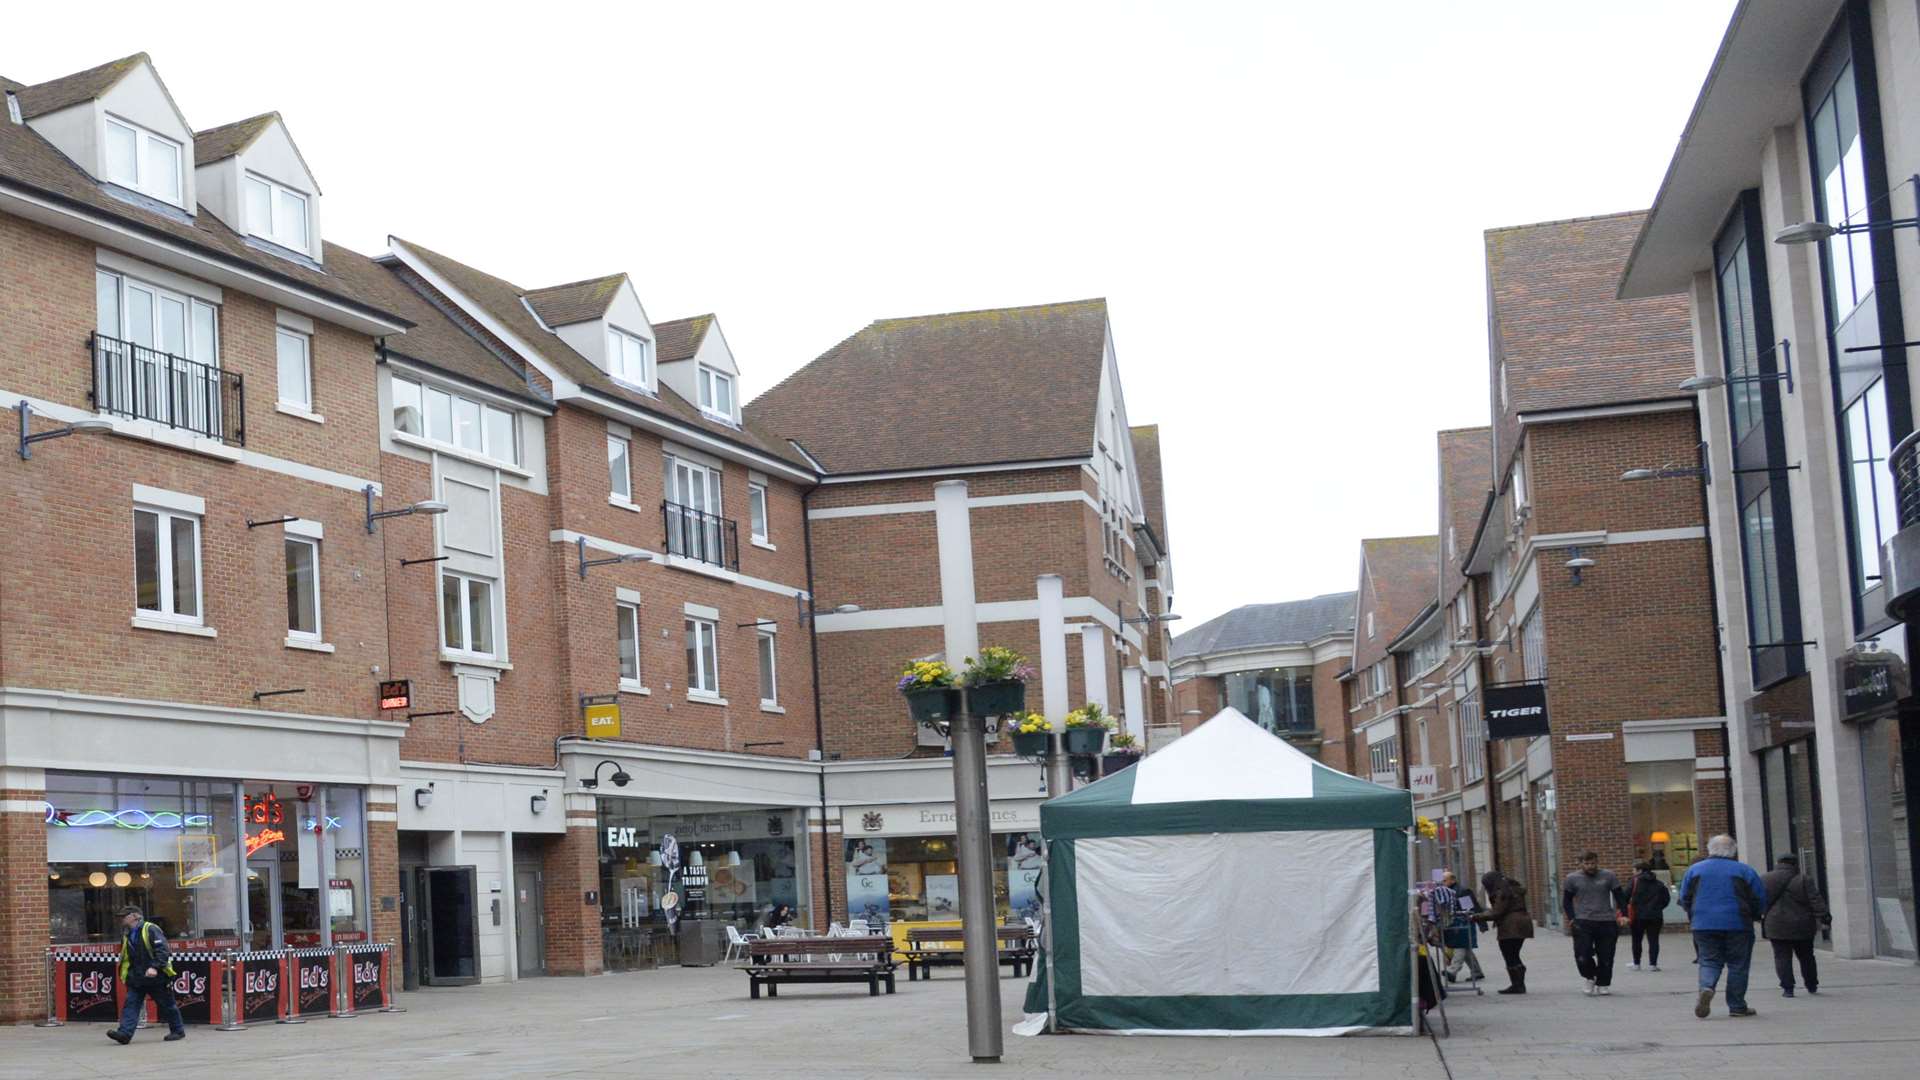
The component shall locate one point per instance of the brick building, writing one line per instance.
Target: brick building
(1395, 594)
(1278, 664)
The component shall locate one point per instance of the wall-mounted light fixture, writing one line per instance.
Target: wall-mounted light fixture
(805, 610)
(423, 796)
(77, 427)
(425, 506)
(539, 802)
(1814, 232)
(629, 557)
(620, 777)
(1740, 376)
(1578, 563)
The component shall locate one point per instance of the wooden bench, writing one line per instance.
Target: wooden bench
(927, 946)
(835, 959)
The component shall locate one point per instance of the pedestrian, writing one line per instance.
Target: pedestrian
(1794, 909)
(1647, 899)
(1594, 904)
(1458, 931)
(146, 971)
(1512, 925)
(1723, 898)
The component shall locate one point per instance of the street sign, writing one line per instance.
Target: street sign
(1516, 710)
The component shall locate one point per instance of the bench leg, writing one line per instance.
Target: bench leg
(773, 989)
(753, 988)
(889, 982)
(873, 986)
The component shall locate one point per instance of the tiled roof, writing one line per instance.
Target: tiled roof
(968, 388)
(1146, 459)
(1252, 626)
(576, 301)
(56, 94)
(7, 84)
(1466, 472)
(1567, 340)
(221, 143)
(679, 339)
(1405, 577)
(500, 299)
(28, 160)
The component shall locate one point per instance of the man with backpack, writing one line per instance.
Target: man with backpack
(1647, 899)
(146, 971)
(1795, 911)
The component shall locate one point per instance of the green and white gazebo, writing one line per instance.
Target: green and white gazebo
(1226, 885)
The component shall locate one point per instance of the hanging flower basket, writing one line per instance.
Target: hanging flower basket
(1031, 744)
(935, 705)
(1005, 698)
(1113, 763)
(1086, 740)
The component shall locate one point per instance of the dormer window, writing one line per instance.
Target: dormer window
(716, 392)
(629, 358)
(276, 213)
(147, 163)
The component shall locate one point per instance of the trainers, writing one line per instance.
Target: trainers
(1813, 989)
(1704, 1007)
(1653, 967)
(175, 1036)
(1605, 991)
(1636, 967)
(1787, 992)
(119, 1036)
(1589, 991)
(1742, 1012)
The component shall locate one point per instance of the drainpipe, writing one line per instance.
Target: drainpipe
(819, 724)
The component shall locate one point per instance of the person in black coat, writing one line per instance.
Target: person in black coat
(1647, 899)
(1795, 912)
(1507, 914)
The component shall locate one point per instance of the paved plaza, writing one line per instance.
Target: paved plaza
(699, 1023)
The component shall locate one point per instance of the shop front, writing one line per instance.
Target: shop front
(227, 863)
(901, 865)
(727, 864)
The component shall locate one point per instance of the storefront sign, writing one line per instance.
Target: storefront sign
(1423, 779)
(396, 694)
(88, 981)
(1516, 711)
(259, 981)
(936, 819)
(196, 988)
(256, 841)
(1871, 685)
(602, 713)
(134, 819)
(312, 979)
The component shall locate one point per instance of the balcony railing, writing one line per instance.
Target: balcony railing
(146, 384)
(700, 536)
(1905, 462)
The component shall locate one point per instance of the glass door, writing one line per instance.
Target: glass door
(449, 924)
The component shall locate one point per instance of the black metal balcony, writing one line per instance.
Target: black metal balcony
(1900, 556)
(700, 536)
(146, 384)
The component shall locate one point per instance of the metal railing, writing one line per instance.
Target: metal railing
(700, 536)
(1905, 465)
(146, 384)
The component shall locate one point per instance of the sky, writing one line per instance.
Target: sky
(1282, 202)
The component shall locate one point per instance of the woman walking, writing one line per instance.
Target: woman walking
(1507, 914)
(1647, 899)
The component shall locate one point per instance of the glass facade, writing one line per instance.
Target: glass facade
(222, 861)
(916, 878)
(1889, 849)
(1278, 699)
(1666, 831)
(1790, 804)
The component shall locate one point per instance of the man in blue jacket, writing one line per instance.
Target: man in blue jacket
(146, 970)
(1723, 898)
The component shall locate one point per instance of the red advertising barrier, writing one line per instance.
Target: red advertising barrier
(309, 982)
(199, 981)
(369, 985)
(255, 985)
(85, 986)
(229, 989)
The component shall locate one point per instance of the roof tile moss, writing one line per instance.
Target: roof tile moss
(56, 94)
(221, 143)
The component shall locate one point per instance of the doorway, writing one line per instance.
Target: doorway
(530, 920)
(447, 925)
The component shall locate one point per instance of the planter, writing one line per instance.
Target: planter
(1113, 763)
(1086, 740)
(1031, 745)
(997, 698)
(933, 706)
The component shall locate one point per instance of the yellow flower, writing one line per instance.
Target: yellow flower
(1034, 724)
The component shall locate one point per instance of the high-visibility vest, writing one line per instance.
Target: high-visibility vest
(146, 938)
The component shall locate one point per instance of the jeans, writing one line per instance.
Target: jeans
(162, 994)
(1729, 949)
(1593, 943)
(1650, 928)
(1783, 954)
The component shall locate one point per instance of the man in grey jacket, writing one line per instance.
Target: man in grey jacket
(1593, 901)
(1795, 912)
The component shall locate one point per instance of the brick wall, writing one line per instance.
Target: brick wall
(23, 911)
(570, 869)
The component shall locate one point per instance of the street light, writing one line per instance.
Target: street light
(626, 557)
(91, 424)
(425, 506)
(620, 777)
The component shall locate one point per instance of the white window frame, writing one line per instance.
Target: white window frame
(163, 568)
(624, 609)
(757, 511)
(618, 365)
(281, 335)
(767, 655)
(275, 230)
(1369, 626)
(209, 356)
(706, 656)
(710, 378)
(466, 614)
(625, 473)
(317, 634)
(143, 178)
(490, 452)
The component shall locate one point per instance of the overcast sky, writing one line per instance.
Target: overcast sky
(1283, 203)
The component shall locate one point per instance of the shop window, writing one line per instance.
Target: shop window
(1278, 699)
(305, 864)
(916, 878)
(169, 846)
(1660, 811)
(1889, 854)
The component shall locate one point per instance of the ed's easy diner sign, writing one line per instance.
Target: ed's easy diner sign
(935, 819)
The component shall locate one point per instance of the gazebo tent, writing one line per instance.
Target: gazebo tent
(1227, 885)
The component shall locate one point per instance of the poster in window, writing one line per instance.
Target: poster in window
(943, 896)
(198, 860)
(867, 880)
(730, 885)
(905, 882)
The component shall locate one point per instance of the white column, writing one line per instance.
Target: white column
(1053, 648)
(1093, 663)
(1134, 695)
(955, 534)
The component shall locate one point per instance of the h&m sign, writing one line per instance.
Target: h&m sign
(1516, 710)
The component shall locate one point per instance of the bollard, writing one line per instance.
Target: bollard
(387, 1001)
(342, 985)
(53, 981)
(230, 1018)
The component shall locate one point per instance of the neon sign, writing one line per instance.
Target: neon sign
(256, 841)
(134, 819)
(265, 809)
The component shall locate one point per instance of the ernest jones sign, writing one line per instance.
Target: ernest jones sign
(1516, 711)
